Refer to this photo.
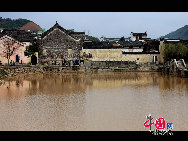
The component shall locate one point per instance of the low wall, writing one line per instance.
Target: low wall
(88, 66)
(117, 55)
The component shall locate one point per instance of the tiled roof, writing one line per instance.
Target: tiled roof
(131, 43)
(139, 34)
(62, 29)
(111, 38)
(5, 37)
(19, 35)
(52, 28)
(77, 33)
(106, 45)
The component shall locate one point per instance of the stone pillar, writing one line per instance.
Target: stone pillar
(71, 63)
(37, 55)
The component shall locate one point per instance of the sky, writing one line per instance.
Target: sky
(108, 24)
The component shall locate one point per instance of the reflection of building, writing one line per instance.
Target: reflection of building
(14, 88)
(59, 83)
(110, 80)
(168, 82)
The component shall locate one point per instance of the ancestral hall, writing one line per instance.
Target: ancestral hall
(60, 46)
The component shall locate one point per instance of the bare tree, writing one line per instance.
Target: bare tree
(8, 47)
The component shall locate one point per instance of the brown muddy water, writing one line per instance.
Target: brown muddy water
(92, 101)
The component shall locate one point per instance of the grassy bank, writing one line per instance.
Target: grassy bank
(2, 73)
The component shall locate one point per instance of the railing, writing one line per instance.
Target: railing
(178, 68)
(184, 63)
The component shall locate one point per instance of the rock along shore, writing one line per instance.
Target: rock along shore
(13, 70)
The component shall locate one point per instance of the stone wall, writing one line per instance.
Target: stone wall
(88, 66)
(59, 45)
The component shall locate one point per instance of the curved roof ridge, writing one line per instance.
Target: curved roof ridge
(60, 28)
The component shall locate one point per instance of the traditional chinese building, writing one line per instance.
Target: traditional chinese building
(59, 46)
(20, 35)
(138, 36)
(138, 51)
(11, 50)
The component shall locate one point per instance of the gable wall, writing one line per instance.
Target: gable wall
(56, 44)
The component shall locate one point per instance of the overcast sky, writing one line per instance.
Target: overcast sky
(108, 24)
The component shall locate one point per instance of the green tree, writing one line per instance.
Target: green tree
(122, 39)
(182, 50)
(175, 51)
(12, 24)
(30, 50)
(94, 39)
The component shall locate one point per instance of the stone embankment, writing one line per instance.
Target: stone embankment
(13, 70)
(3, 74)
(87, 67)
(176, 68)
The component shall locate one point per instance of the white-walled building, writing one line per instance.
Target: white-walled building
(138, 36)
(9, 45)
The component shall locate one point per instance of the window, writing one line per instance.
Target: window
(156, 58)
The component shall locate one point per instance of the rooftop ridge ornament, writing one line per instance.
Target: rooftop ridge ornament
(56, 24)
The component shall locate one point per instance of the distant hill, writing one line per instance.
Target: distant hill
(31, 26)
(181, 33)
(12, 23)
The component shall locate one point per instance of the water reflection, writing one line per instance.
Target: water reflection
(92, 101)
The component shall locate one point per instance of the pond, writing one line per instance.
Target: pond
(110, 101)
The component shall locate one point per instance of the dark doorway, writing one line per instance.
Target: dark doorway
(76, 62)
(17, 58)
(33, 60)
(64, 62)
